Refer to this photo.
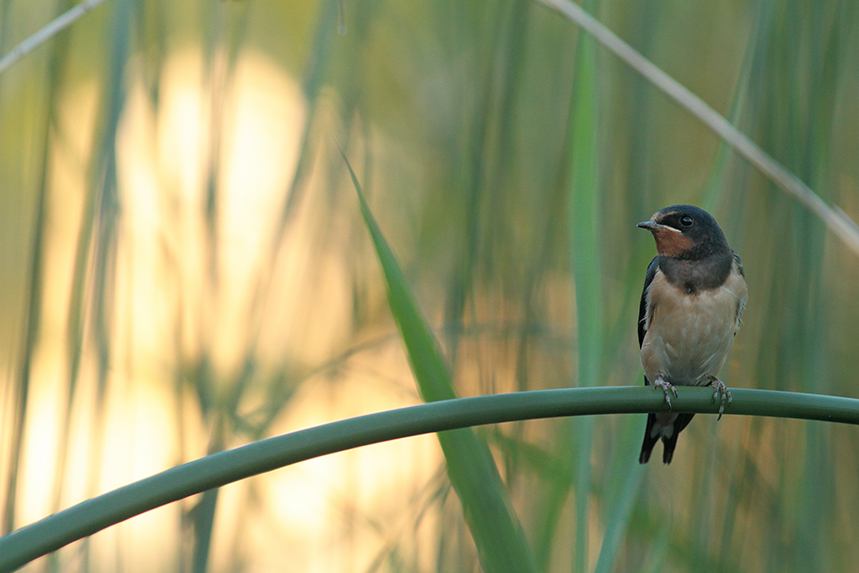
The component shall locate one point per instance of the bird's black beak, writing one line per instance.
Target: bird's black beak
(649, 225)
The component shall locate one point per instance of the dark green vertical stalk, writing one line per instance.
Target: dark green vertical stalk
(102, 232)
(583, 222)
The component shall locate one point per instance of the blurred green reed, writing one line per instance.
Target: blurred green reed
(508, 158)
(584, 227)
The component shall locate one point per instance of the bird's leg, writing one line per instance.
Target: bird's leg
(666, 388)
(721, 392)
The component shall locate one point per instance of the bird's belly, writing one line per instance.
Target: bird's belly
(688, 336)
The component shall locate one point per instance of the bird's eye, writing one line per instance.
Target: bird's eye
(686, 221)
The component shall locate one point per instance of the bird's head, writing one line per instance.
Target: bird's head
(685, 232)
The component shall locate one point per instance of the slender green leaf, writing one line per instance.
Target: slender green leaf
(499, 538)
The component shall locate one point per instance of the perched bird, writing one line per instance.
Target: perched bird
(694, 294)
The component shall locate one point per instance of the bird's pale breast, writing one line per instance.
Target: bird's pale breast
(692, 336)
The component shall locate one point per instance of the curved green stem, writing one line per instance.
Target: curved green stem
(88, 517)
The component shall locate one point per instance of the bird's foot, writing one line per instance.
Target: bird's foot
(720, 393)
(667, 388)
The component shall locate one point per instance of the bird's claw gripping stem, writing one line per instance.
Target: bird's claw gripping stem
(667, 388)
(720, 393)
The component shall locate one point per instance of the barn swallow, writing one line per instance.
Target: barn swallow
(693, 299)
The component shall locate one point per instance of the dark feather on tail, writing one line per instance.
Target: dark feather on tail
(668, 444)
